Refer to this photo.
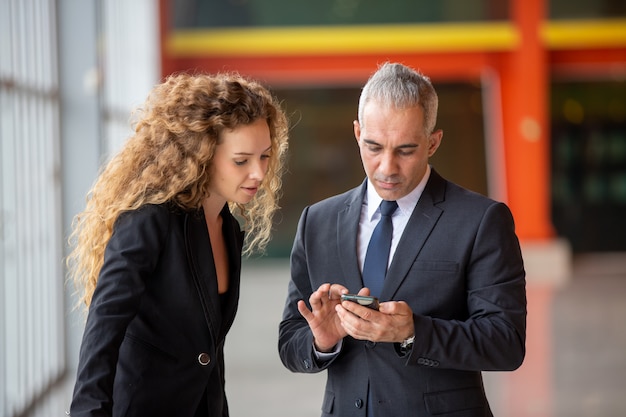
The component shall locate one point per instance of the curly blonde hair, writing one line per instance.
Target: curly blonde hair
(168, 159)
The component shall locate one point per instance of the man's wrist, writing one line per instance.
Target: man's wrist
(323, 350)
(407, 343)
(327, 355)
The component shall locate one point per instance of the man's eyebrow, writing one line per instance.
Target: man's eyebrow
(404, 146)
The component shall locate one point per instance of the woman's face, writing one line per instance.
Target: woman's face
(240, 162)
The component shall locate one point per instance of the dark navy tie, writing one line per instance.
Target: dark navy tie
(377, 256)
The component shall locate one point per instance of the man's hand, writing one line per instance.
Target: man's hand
(393, 322)
(322, 318)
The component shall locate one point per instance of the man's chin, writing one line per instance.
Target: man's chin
(390, 193)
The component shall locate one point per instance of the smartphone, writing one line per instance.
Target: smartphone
(364, 300)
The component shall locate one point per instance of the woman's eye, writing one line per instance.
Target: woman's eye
(241, 162)
(265, 156)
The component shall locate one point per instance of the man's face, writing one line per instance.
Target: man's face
(394, 148)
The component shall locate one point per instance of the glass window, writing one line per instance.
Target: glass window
(589, 163)
(229, 13)
(32, 353)
(586, 9)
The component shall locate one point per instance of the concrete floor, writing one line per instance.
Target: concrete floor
(575, 364)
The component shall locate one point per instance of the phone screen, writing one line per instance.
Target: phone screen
(364, 300)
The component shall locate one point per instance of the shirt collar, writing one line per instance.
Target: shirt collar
(406, 204)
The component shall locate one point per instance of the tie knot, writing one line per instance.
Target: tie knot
(388, 207)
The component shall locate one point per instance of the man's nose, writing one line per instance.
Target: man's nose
(387, 164)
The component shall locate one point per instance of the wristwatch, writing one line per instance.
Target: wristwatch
(407, 343)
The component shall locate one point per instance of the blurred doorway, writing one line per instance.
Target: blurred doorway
(589, 164)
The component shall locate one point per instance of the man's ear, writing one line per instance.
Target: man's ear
(357, 130)
(434, 140)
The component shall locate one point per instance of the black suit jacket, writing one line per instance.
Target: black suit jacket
(459, 267)
(154, 336)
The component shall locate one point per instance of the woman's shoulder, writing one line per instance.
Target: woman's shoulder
(152, 215)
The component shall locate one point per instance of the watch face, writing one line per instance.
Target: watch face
(407, 342)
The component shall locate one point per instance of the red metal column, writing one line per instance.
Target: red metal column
(525, 97)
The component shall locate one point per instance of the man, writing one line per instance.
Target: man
(453, 300)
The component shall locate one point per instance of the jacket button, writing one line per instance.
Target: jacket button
(204, 359)
(358, 403)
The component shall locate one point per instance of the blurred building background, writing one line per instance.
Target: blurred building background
(532, 104)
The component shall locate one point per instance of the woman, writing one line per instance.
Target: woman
(157, 251)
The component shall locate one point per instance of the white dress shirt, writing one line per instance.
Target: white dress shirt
(370, 216)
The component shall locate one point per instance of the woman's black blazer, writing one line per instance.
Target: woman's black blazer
(154, 337)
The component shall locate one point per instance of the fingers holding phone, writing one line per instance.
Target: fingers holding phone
(365, 318)
(355, 308)
(364, 300)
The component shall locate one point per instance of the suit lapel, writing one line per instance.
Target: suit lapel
(201, 262)
(416, 232)
(234, 246)
(347, 230)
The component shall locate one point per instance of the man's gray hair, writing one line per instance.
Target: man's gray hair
(400, 86)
